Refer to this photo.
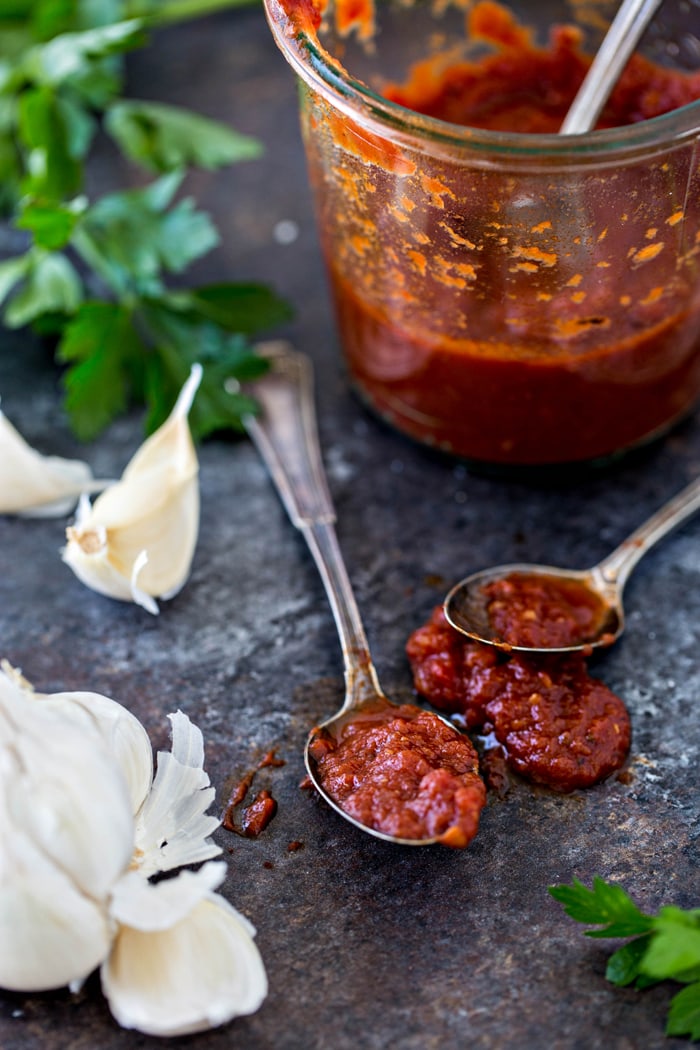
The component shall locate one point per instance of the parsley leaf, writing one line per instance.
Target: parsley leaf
(134, 339)
(684, 1014)
(624, 965)
(675, 947)
(51, 224)
(664, 946)
(235, 307)
(72, 54)
(605, 904)
(165, 138)
(53, 169)
(51, 285)
(106, 355)
(181, 338)
(131, 237)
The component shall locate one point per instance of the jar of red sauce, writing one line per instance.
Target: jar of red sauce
(505, 293)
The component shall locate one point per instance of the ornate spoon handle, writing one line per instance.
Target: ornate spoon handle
(286, 436)
(618, 565)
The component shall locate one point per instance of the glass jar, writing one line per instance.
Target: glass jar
(510, 297)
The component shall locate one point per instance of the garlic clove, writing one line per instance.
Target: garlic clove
(34, 485)
(137, 541)
(99, 566)
(74, 883)
(51, 933)
(122, 733)
(62, 788)
(172, 442)
(201, 972)
(66, 828)
(172, 827)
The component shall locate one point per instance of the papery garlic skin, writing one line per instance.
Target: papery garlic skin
(66, 829)
(137, 541)
(34, 485)
(183, 964)
(172, 826)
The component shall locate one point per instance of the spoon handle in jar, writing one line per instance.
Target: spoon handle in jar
(286, 436)
(618, 565)
(620, 41)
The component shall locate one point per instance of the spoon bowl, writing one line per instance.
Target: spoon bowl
(286, 437)
(468, 605)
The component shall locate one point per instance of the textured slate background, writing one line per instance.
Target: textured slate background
(367, 945)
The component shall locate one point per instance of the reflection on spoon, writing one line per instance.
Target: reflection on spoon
(399, 773)
(559, 610)
(620, 41)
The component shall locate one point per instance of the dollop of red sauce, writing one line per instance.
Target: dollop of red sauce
(404, 772)
(543, 611)
(557, 725)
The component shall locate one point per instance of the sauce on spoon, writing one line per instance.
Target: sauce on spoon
(545, 609)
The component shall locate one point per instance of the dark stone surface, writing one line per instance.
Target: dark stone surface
(367, 946)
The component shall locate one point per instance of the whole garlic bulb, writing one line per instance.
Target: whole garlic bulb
(137, 541)
(83, 825)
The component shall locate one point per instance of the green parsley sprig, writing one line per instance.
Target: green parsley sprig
(665, 946)
(95, 273)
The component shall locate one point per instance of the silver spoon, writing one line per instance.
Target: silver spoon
(466, 605)
(286, 436)
(620, 41)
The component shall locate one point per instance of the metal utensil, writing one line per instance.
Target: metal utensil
(286, 436)
(466, 604)
(620, 41)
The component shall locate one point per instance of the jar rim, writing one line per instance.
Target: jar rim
(315, 65)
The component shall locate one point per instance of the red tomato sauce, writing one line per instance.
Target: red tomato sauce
(404, 772)
(543, 611)
(258, 814)
(546, 387)
(525, 88)
(493, 405)
(557, 725)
